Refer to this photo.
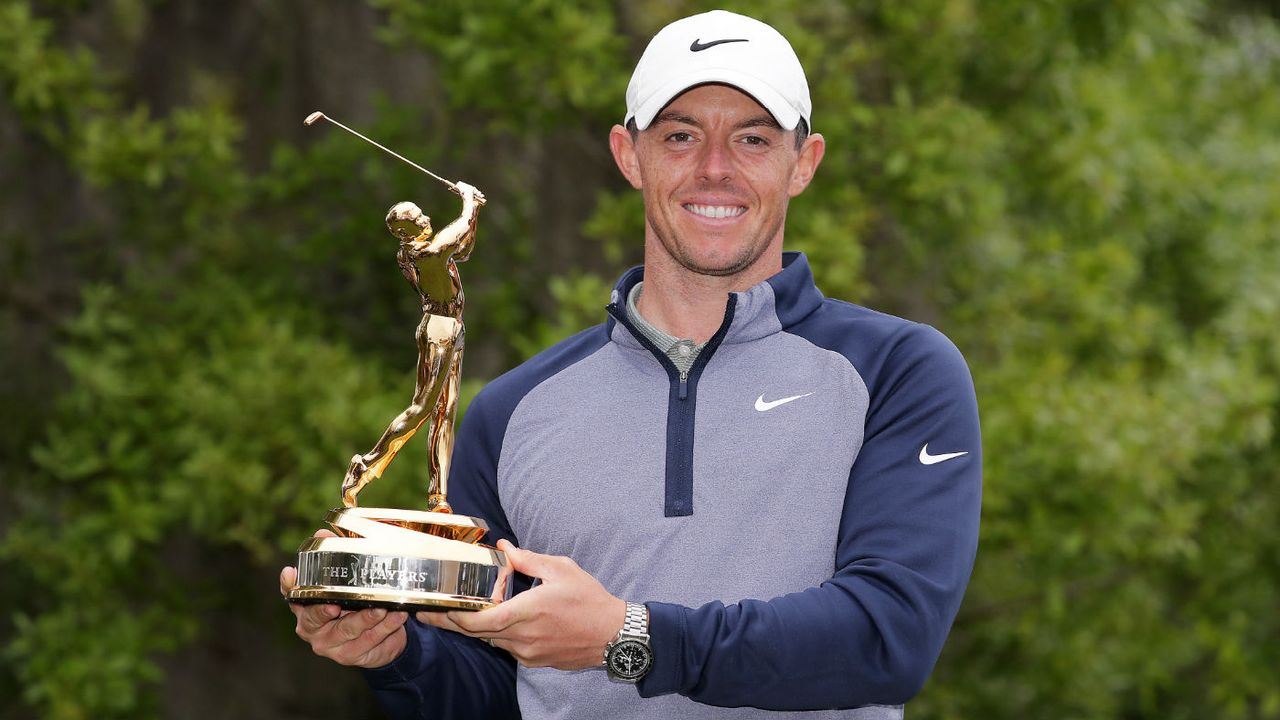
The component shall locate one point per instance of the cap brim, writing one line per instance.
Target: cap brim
(781, 110)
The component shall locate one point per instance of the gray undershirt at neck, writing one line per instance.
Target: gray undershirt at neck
(681, 352)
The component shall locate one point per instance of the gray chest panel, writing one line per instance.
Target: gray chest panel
(582, 474)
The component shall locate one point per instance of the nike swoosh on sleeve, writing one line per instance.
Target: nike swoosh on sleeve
(927, 459)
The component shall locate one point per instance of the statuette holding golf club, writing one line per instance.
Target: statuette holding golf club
(410, 558)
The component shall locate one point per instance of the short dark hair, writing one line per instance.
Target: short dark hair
(802, 132)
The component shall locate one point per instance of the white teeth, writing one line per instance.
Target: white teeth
(715, 211)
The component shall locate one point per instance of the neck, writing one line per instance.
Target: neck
(687, 304)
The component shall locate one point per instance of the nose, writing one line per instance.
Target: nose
(715, 164)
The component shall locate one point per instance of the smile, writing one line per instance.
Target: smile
(715, 211)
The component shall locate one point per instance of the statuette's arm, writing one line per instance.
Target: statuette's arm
(458, 237)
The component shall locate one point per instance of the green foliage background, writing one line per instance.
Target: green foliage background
(200, 319)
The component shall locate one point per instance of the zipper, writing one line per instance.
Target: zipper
(681, 409)
(619, 313)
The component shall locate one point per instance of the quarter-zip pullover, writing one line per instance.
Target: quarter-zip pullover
(772, 507)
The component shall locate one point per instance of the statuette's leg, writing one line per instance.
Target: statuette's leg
(440, 447)
(438, 337)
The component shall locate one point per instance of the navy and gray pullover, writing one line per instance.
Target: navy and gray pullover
(792, 510)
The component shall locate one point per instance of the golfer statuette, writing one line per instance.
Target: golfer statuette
(409, 558)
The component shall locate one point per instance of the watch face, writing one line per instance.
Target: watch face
(630, 660)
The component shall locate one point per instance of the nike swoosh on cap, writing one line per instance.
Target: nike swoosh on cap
(927, 459)
(762, 406)
(700, 46)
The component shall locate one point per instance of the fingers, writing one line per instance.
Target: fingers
(439, 619)
(476, 624)
(361, 630)
(493, 620)
(310, 617)
(368, 638)
(565, 622)
(313, 618)
(445, 621)
(374, 636)
(547, 567)
(327, 626)
(288, 579)
(352, 625)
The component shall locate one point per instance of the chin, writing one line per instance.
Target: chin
(718, 265)
(714, 254)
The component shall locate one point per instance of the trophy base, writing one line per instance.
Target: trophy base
(372, 598)
(398, 568)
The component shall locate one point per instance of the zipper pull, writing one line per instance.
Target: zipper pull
(684, 384)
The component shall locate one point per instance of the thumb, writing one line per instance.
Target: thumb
(288, 579)
(528, 562)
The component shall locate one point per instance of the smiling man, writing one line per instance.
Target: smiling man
(726, 492)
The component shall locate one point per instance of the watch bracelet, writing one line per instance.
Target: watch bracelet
(636, 621)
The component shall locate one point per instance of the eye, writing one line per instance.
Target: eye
(680, 137)
(755, 140)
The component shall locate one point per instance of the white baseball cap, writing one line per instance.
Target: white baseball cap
(720, 47)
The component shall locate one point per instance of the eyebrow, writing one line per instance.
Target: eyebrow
(765, 120)
(759, 121)
(675, 117)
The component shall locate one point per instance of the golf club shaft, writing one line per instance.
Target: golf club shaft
(321, 116)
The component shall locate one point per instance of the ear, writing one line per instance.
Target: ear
(811, 152)
(624, 154)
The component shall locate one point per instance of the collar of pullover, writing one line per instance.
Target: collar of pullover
(682, 351)
(764, 309)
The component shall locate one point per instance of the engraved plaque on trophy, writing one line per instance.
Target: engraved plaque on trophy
(413, 559)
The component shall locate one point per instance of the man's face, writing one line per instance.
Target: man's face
(717, 172)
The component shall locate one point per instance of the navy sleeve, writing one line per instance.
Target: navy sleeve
(907, 540)
(443, 674)
(446, 675)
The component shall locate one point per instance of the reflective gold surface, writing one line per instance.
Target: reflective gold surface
(387, 598)
(410, 542)
(447, 525)
(362, 572)
(429, 263)
(381, 562)
(410, 558)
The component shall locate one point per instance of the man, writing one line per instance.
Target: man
(746, 497)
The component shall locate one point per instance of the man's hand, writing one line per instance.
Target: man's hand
(563, 623)
(366, 638)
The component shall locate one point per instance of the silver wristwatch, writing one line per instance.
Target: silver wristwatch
(629, 656)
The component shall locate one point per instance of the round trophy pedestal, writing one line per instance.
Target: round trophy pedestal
(402, 569)
(357, 600)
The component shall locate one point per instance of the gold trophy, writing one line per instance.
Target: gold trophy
(412, 559)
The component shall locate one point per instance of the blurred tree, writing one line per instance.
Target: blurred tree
(1082, 194)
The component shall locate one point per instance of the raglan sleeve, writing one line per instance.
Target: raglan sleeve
(442, 674)
(907, 540)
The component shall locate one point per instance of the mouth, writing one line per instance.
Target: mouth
(715, 212)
